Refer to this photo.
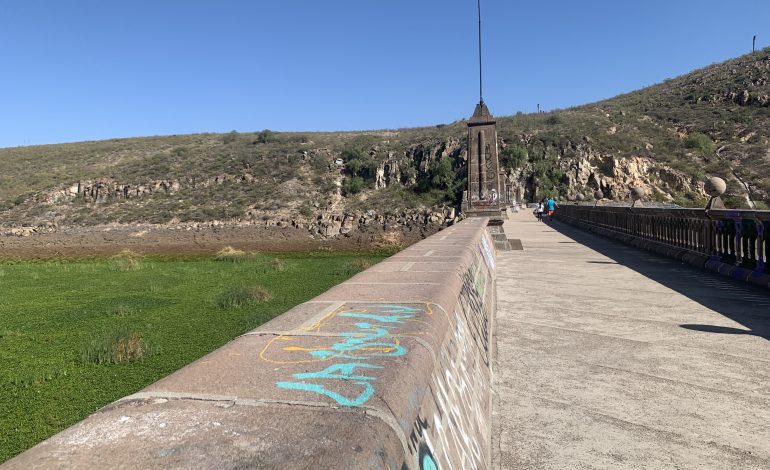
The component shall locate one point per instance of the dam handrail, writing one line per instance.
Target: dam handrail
(720, 239)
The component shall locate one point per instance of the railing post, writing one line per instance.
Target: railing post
(750, 244)
(738, 240)
(763, 246)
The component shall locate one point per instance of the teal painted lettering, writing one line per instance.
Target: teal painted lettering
(336, 371)
(340, 399)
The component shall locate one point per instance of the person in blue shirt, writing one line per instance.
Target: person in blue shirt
(550, 207)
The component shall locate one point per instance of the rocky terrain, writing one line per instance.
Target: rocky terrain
(665, 139)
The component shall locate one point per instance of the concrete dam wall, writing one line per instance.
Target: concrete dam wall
(390, 370)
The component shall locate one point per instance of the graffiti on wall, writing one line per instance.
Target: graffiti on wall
(454, 421)
(346, 351)
(359, 336)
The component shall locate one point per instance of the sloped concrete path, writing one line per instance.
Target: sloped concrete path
(613, 357)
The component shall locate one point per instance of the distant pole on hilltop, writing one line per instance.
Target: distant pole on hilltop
(754, 43)
(481, 94)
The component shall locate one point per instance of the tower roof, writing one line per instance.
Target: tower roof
(481, 115)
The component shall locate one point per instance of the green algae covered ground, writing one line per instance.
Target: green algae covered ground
(54, 314)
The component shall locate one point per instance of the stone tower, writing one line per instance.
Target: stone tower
(486, 193)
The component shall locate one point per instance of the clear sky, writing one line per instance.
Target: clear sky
(94, 69)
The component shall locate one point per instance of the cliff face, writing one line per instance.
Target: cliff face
(312, 199)
(587, 170)
(419, 157)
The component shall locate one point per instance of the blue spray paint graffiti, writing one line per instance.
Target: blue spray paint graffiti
(428, 463)
(372, 338)
(337, 371)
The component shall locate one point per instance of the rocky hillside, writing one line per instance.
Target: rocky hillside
(666, 139)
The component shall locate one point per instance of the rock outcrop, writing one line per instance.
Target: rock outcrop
(587, 170)
(590, 172)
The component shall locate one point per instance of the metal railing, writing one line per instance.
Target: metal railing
(734, 237)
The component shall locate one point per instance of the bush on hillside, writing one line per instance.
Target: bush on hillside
(548, 178)
(267, 136)
(230, 137)
(442, 174)
(352, 185)
(700, 142)
(513, 156)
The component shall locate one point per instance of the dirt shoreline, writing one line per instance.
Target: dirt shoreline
(160, 240)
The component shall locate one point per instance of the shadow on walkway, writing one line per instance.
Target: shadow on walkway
(746, 304)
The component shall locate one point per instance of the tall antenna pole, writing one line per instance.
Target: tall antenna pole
(481, 94)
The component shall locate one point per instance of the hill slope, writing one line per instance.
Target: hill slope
(665, 139)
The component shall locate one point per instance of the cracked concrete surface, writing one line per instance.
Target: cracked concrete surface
(614, 357)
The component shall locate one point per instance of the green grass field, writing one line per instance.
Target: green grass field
(60, 320)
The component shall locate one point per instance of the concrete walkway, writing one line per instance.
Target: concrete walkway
(612, 357)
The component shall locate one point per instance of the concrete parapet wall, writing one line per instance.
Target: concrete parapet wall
(390, 370)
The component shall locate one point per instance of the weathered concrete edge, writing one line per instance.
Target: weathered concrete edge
(682, 254)
(468, 259)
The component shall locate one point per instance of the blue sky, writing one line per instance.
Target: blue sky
(95, 69)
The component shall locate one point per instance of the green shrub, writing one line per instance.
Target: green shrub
(230, 137)
(549, 179)
(513, 156)
(357, 265)
(121, 345)
(267, 136)
(363, 166)
(442, 174)
(22, 198)
(658, 196)
(700, 142)
(233, 255)
(241, 296)
(358, 161)
(126, 260)
(734, 201)
(180, 151)
(408, 171)
(306, 210)
(715, 168)
(320, 164)
(277, 265)
(697, 199)
(352, 185)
